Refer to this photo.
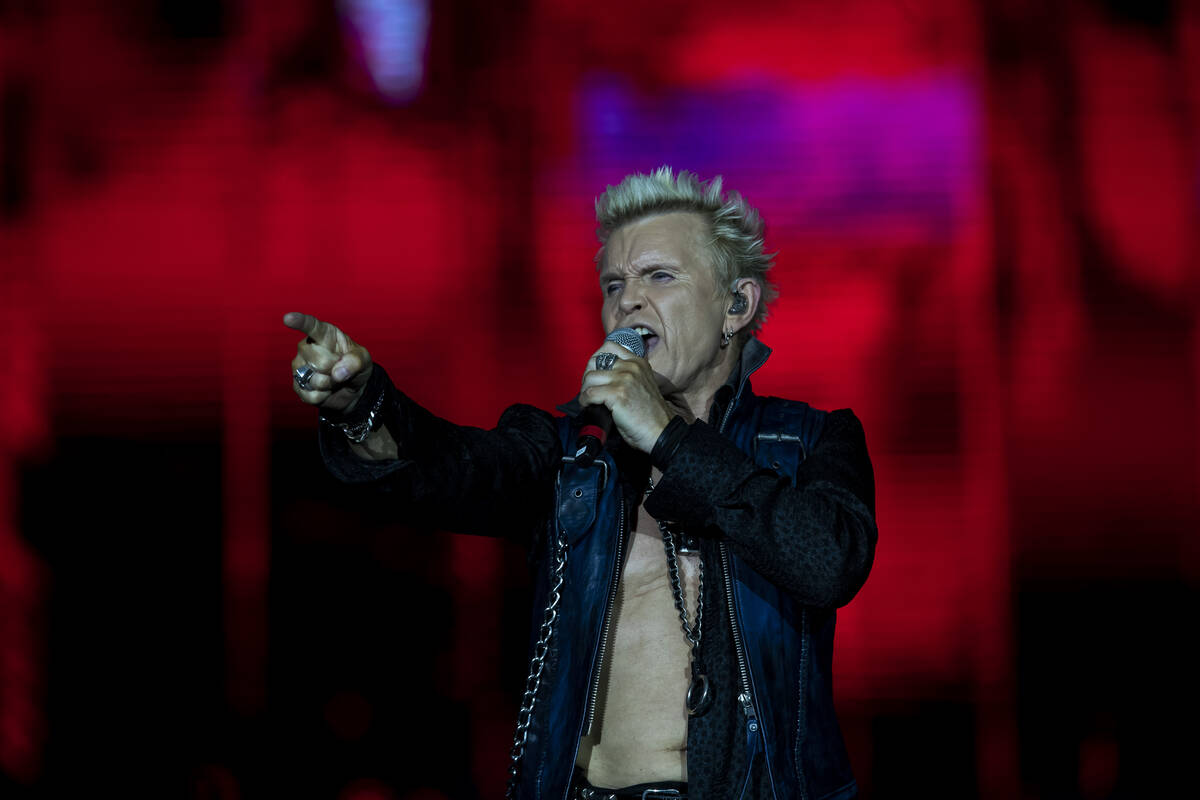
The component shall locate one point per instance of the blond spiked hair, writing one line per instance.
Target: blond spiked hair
(735, 229)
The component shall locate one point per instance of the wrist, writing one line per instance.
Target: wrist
(365, 415)
(668, 442)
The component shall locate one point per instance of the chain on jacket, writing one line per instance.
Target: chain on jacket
(537, 664)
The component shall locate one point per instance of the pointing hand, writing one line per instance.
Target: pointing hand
(339, 367)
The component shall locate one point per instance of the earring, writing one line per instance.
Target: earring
(725, 337)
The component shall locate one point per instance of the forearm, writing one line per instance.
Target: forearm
(426, 470)
(815, 539)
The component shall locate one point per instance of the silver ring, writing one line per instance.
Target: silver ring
(303, 375)
(605, 361)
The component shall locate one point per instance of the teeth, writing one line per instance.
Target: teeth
(643, 331)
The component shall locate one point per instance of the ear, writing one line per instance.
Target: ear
(740, 318)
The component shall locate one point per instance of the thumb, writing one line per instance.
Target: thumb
(351, 365)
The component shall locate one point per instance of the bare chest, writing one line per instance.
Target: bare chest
(647, 573)
(642, 731)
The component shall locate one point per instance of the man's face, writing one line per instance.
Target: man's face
(657, 275)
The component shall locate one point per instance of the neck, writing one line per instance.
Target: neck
(699, 399)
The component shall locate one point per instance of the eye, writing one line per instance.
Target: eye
(661, 276)
(612, 288)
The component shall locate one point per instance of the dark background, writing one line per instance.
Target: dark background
(985, 214)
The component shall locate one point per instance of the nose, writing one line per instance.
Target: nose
(631, 297)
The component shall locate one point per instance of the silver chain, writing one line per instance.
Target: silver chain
(359, 433)
(693, 633)
(537, 664)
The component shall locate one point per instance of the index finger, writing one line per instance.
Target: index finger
(310, 325)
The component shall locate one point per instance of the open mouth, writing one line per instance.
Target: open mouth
(649, 337)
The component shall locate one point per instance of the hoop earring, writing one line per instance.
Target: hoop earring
(726, 336)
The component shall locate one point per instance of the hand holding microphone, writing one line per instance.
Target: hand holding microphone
(620, 389)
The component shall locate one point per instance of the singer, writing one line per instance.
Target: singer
(689, 565)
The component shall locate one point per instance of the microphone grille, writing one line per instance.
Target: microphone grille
(628, 338)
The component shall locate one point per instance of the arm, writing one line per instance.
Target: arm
(815, 539)
(459, 478)
(426, 470)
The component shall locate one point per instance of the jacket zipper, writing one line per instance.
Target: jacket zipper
(746, 698)
(594, 693)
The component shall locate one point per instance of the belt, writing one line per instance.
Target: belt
(590, 793)
(667, 790)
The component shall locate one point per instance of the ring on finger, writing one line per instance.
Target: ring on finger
(303, 375)
(606, 361)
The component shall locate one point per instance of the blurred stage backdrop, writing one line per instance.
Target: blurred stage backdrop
(991, 208)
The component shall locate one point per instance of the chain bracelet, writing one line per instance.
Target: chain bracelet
(359, 433)
(537, 664)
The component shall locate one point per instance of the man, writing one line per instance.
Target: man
(746, 519)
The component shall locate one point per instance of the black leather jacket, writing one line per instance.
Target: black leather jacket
(786, 522)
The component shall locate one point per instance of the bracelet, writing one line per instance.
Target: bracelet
(358, 432)
(668, 442)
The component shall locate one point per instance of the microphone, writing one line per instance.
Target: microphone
(596, 421)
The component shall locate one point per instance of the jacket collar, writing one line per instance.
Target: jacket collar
(754, 355)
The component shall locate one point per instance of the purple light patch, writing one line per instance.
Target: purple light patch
(393, 36)
(847, 156)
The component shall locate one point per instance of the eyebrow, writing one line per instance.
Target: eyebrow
(610, 275)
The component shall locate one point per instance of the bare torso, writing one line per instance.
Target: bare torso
(641, 729)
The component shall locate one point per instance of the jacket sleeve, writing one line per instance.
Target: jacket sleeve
(815, 539)
(494, 482)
